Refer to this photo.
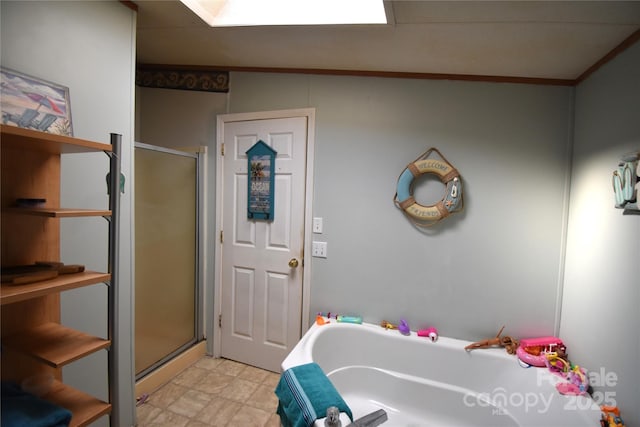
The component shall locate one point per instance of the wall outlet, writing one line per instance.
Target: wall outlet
(319, 249)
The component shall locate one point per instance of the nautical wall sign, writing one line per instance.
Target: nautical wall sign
(261, 188)
(428, 215)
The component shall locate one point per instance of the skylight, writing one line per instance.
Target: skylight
(230, 13)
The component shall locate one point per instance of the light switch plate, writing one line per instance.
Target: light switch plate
(317, 225)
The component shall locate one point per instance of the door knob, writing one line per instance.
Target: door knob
(293, 263)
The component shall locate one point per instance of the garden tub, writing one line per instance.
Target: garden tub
(423, 383)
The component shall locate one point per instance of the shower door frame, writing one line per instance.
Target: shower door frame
(200, 157)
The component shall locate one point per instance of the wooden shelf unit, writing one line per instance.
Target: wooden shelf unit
(34, 342)
(54, 344)
(58, 212)
(10, 294)
(27, 139)
(85, 408)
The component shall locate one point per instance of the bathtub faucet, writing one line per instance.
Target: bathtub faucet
(371, 420)
(333, 417)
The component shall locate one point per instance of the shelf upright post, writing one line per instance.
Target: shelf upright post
(114, 257)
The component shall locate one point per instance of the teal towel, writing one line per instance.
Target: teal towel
(21, 409)
(304, 394)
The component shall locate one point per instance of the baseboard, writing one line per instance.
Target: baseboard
(166, 372)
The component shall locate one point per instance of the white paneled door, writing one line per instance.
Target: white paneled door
(261, 263)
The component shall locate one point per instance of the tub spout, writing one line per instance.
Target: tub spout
(371, 420)
(333, 417)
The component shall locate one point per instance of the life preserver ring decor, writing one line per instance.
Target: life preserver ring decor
(426, 215)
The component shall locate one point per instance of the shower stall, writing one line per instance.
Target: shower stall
(168, 288)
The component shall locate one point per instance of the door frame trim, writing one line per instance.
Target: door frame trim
(222, 120)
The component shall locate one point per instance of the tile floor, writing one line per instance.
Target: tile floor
(214, 392)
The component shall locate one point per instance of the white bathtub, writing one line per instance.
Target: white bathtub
(423, 383)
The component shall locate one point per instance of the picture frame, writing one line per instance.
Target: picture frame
(33, 103)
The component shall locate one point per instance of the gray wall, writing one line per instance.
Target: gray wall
(498, 262)
(90, 48)
(600, 316)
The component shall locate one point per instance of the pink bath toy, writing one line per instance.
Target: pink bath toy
(532, 351)
(571, 389)
(431, 333)
(578, 382)
(403, 327)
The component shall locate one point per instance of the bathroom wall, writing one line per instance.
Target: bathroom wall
(499, 262)
(90, 48)
(600, 315)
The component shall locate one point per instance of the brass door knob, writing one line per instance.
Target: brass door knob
(293, 263)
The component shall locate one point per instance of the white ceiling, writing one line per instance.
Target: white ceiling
(534, 39)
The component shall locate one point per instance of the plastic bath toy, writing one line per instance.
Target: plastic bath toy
(320, 320)
(339, 318)
(611, 417)
(328, 315)
(388, 325)
(507, 342)
(532, 350)
(578, 383)
(403, 327)
(431, 333)
(349, 319)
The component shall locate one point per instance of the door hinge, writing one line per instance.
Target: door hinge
(222, 149)
(219, 320)
(221, 236)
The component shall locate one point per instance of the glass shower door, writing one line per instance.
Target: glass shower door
(166, 255)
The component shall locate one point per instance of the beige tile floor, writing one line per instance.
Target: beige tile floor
(214, 392)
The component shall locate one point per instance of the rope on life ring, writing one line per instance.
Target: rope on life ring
(428, 215)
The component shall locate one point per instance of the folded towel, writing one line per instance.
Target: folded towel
(21, 409)
(304, 394)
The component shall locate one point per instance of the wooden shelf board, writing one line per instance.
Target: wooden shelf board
(29, 139)
(59, 212)
(10, 294)
(54, 344)
(85, 408)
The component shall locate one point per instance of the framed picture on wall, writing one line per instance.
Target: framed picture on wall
(32, 103)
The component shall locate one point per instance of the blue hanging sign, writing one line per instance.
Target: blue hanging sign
(261, 170)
